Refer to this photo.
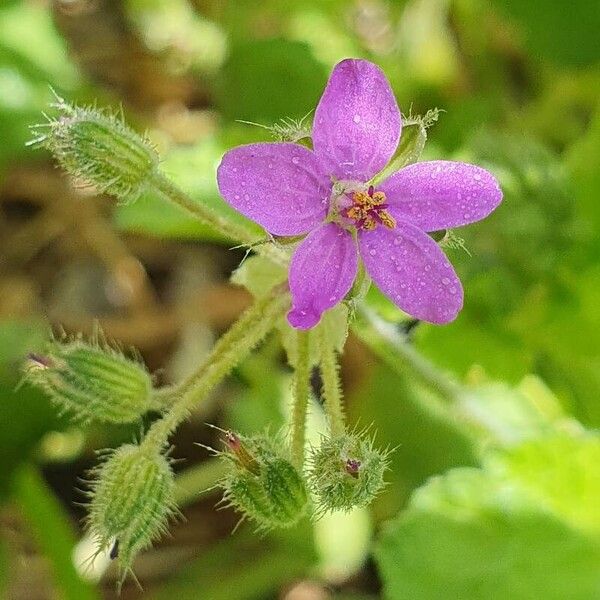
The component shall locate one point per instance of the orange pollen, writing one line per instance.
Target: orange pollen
(369, 210)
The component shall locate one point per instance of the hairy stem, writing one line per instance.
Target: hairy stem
(244, 335)
(169, 191)
(332, 389)
(301, 394)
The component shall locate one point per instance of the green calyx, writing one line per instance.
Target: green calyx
(132, 498)
(346, 472)
(97, 148)
(263, 484)
(92, 381)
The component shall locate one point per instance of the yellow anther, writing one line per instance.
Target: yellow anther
(387, 219)
(361, 198)
(378, 198)
(368, 210)
(369, 223)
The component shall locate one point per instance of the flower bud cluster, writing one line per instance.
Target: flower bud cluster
(132, 499)
(97, 148)
(91, 381)
(262, 483)
(346, 472)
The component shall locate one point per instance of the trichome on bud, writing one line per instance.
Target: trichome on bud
(91, 380)
(97, 148)
(132, 498)
(262, 483)
(346, 472)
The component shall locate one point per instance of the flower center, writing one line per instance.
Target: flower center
(352, 205)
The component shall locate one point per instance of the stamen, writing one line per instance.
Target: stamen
(369, 209)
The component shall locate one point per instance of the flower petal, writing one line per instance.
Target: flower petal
(322, 271)
(280, 186)
(357, 122)
(409, 268)
(441, 194)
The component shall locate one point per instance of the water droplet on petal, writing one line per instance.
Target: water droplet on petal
(467, 216)
(295, 160)
(427, 267)
(445, 280)
(477, 177)
(372, 252)
(356, 118)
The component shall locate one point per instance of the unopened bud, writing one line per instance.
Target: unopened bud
(92, 381)
(131, 502)
(97, 148)
(346, 472)
(262, 483)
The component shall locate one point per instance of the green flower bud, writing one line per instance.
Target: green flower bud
(132, 499)
(92, 381)
(346, 472)
(96, 147)
(261, 483)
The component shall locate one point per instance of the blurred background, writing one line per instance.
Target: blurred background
(519, 85)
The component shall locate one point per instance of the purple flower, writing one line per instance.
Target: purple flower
(325, 193)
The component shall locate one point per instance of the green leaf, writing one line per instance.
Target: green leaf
(52, 531)
(512, 415)
(523, 527)
(561, 474)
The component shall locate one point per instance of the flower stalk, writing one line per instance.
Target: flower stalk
(301, 391)
(252, 327)
(332, 389)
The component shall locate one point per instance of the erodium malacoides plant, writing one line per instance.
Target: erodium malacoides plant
(343, 205)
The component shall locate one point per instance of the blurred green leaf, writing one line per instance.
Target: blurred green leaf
(510, 530)
(561, 475)
(52, 531)
(512, 415)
